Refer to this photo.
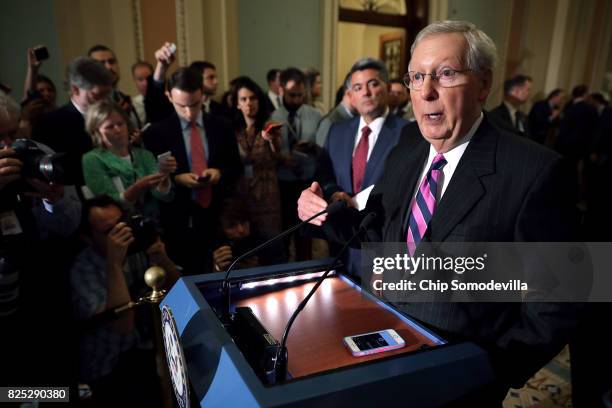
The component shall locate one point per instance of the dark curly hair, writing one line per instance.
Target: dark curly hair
(263, 112)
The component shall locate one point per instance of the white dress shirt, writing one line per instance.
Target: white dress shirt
(452, 157)
(274, 98)
(375, 127)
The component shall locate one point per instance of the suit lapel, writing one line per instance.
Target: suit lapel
(465, 188)
(209, 130)
(178, 144)
(507, 116)
(416, 155)
(346, 152)
(381, 149)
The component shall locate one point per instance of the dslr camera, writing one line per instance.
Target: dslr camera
(145, 231)
(50, 167)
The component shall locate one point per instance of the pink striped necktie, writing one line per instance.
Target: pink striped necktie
(424, 204)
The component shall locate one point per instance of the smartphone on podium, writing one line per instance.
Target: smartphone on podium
(375, 342)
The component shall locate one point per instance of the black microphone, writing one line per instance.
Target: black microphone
(330, 210)
(281, 358)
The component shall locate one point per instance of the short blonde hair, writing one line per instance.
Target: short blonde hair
(97, 114)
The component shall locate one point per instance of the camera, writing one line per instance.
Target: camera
(145, 231)
(50, 167)
(41, 53)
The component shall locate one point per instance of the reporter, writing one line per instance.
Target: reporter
(260, 154)
(125, 173)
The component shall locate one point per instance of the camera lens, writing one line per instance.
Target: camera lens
(52, 168)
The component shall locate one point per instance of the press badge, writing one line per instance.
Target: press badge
(10, 224)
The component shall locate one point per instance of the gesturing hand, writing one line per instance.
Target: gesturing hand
(311, 202)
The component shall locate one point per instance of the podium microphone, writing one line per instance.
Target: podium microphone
(330, 209)
(281, 358)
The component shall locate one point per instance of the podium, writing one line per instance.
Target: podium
(429, 371)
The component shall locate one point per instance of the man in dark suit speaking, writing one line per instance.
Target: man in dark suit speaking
(456, 178)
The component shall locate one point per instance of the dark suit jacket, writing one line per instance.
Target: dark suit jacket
(577, 130)
(223, 154)
(505, 188)
(539, 122)
(64, 131)
(334, 171)
(500, 118)
(217, 109)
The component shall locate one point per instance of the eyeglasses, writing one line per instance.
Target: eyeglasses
(446, 78)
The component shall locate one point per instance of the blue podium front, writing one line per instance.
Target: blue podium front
(432, 373)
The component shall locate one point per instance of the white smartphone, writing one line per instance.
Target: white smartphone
(375, 342)
(162, 157)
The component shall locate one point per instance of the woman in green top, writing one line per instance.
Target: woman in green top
(128, 174)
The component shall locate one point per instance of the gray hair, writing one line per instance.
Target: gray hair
(85, 73)
(9, 109)
(367, 63)
(481, 52)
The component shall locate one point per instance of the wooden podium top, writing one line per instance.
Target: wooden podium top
(335, 311)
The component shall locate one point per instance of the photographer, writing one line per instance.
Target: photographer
(32, 208)
(116, 358)
(36, 218)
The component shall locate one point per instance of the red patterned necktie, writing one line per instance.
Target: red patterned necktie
(203, 195)
(360, 159)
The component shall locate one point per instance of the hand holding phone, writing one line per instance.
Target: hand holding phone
(162, 157)
(272, 126)
(166, 54)
(41, 53)
(204, 179)
(375, 342)
(166, 163)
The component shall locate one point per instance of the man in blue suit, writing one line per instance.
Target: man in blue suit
(356, 149)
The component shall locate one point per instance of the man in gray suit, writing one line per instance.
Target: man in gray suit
(343, 111)
(298, 149)
(488, 186)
